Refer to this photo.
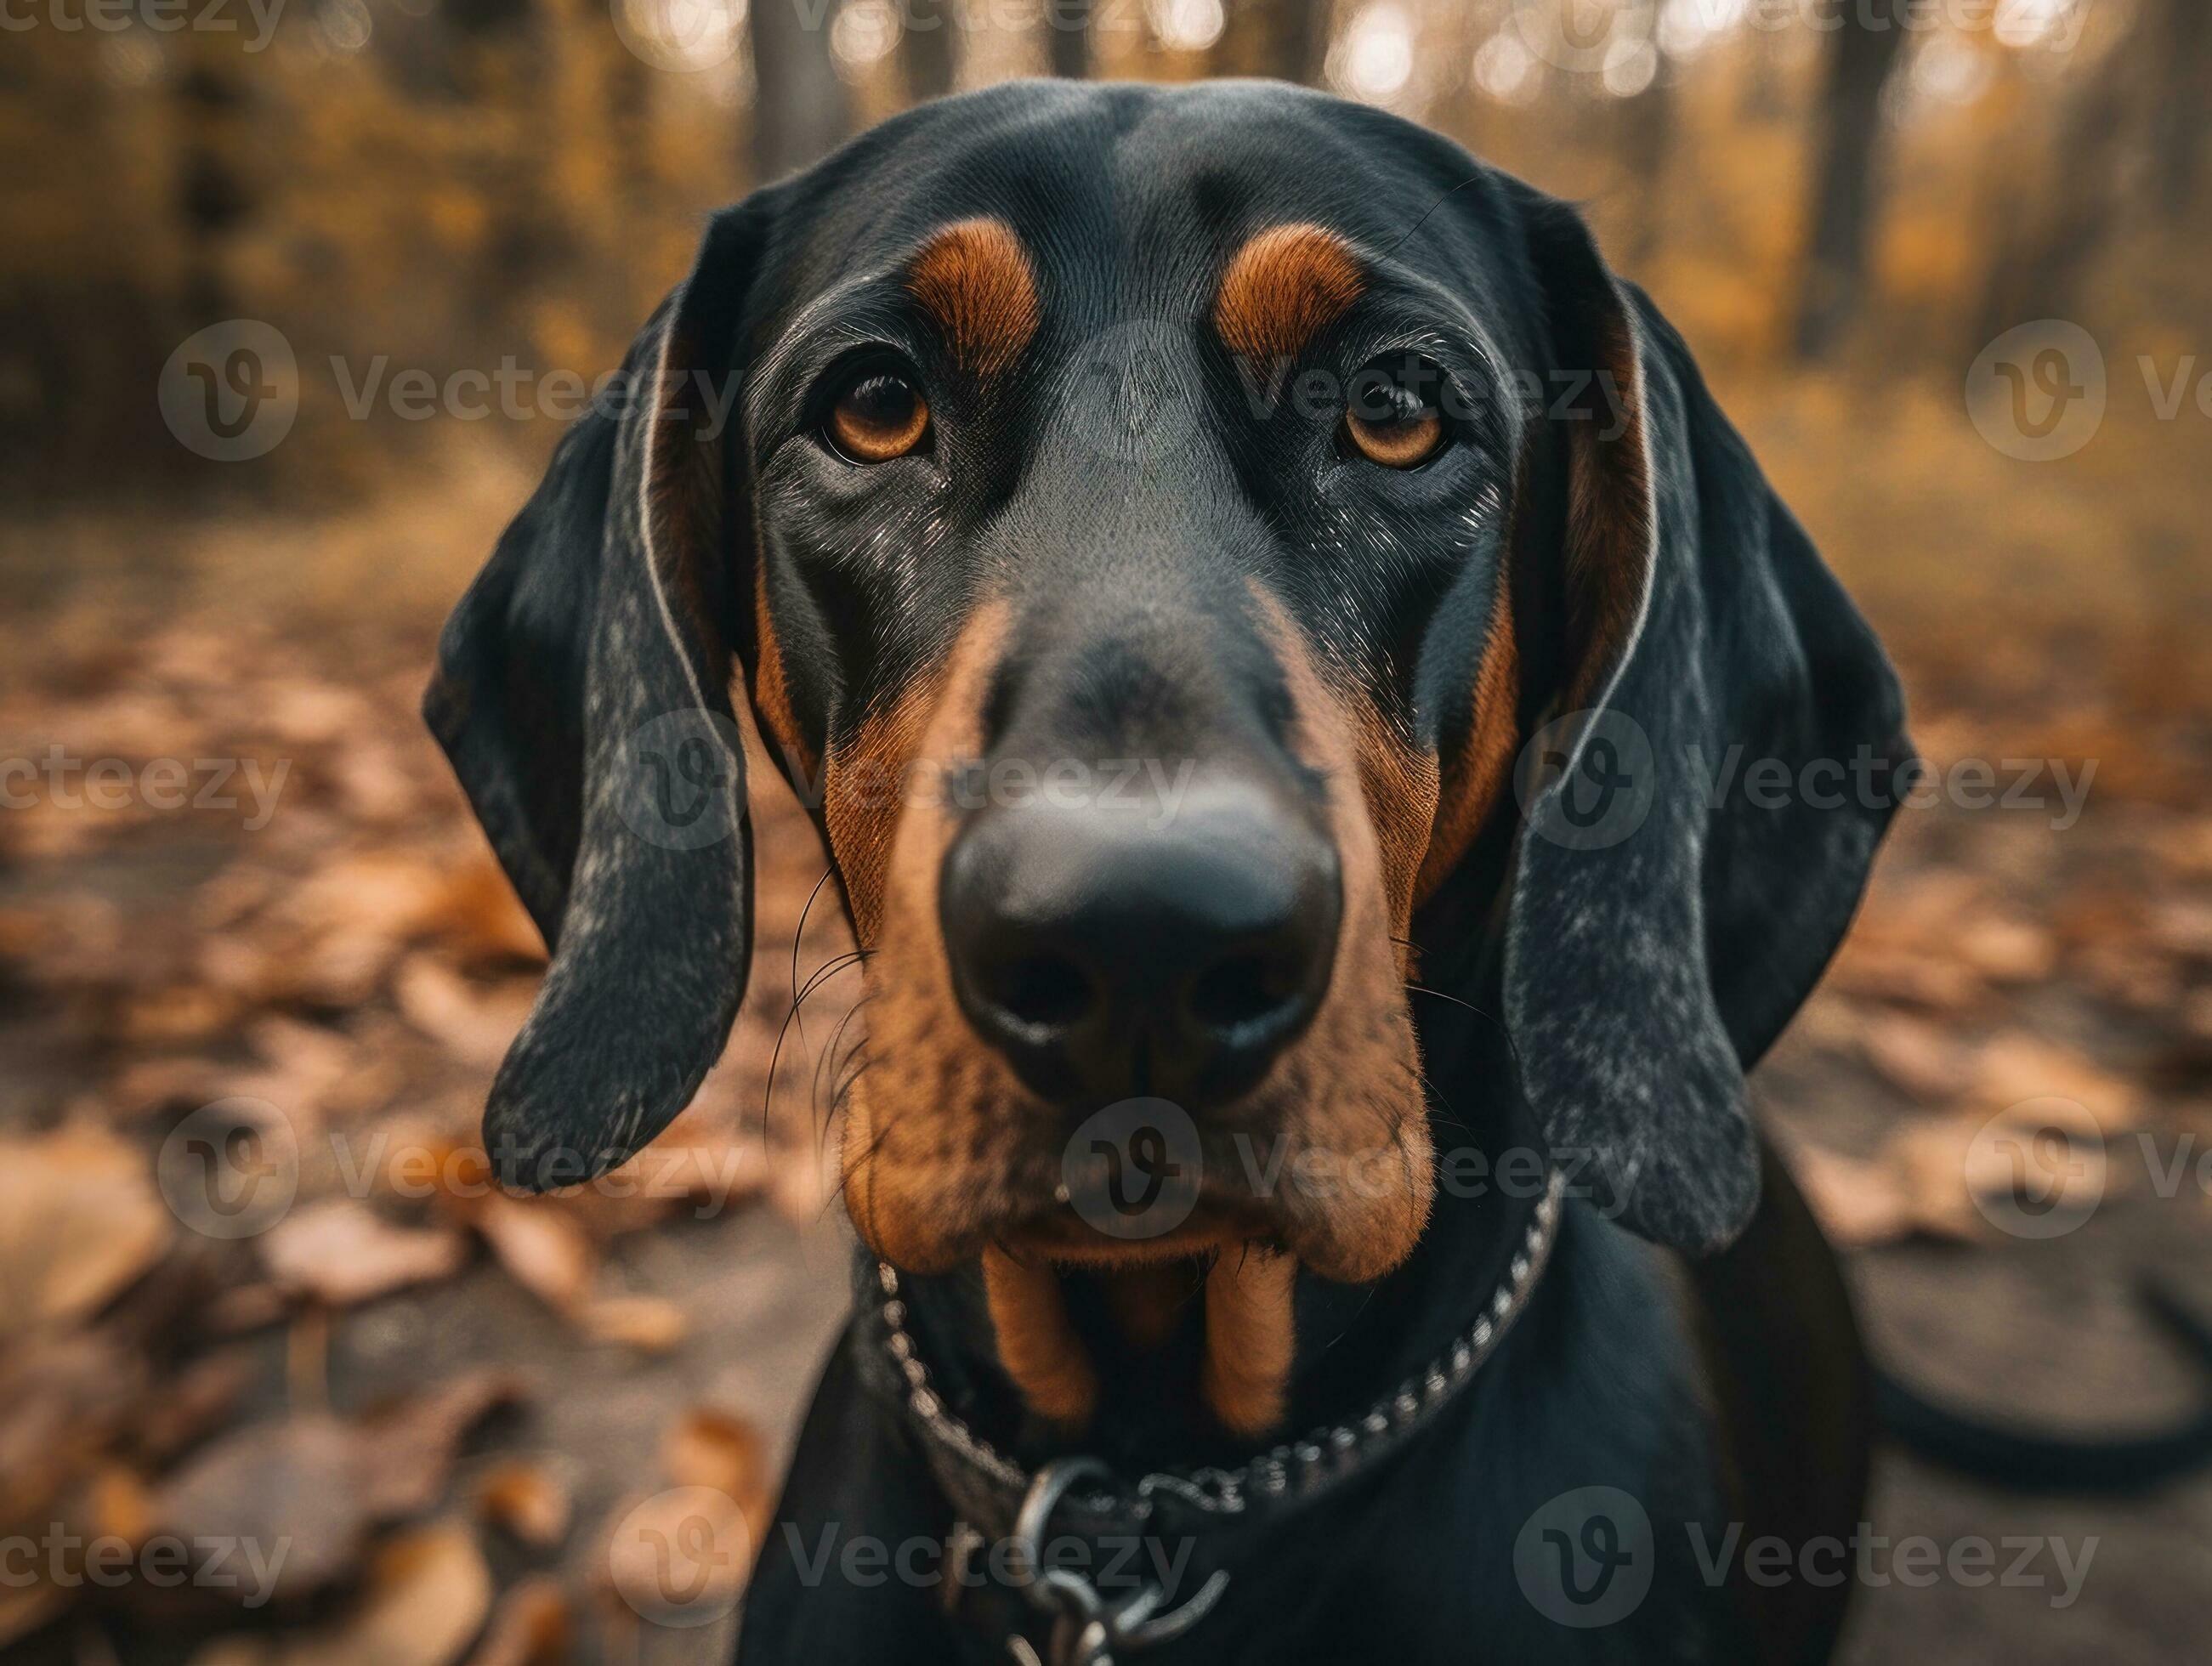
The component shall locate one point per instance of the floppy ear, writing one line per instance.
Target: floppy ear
(583, 695)
(1670, 911)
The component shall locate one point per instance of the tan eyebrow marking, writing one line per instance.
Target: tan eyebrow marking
(974, 278)
(1288, 283)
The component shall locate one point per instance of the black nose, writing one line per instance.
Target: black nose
(1172, 946)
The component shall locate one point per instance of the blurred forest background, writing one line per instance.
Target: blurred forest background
(462, 1412)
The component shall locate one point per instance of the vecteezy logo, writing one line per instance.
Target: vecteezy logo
(1586, 780)
(1132, 1170)
(1585, 1558)
(680, 1558)
(2036, 1169)
(679, 36)
(1581, 36)
(1131, 385)
(2036, 393)
(681, 784)
(231, 1168)
(230, 392)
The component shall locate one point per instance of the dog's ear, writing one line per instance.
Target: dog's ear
(1670, 908)
(583, 695)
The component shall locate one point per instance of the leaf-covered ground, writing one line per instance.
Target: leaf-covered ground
(470, 1420)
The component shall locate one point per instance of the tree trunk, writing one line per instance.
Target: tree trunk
(2185, 32)
(1067, 38)
(933, 48)
(1286, 39)
(799, 109)
(214, 199)
(1866, 48)
(1647, 124)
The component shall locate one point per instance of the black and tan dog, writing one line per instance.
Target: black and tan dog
(1264, 609)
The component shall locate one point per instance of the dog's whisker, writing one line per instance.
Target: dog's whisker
(798, 932)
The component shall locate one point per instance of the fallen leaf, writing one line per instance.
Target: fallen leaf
(678, 1557)
(2018, 1065)
(649, 1324)
(475, 1025)
(529, 1627)
(1916, 1057)
(2008, 951)
(479, 917)
(1858, 1202)
(193, 1403)
(546, 1251)
(526, 1499)
(342, 1253)
(408, 1450)
(318, 1484)
(426, 1597)
(80, 1221)
(722, 1450)
(1907, 978)
(429, 1592)
(297, 1484)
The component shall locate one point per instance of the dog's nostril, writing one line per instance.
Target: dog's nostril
(1045, 991)
(1235, 992)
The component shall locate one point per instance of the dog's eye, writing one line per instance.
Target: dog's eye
(879, 415)
(1391, 422)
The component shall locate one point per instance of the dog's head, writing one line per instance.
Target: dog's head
(1151, 525)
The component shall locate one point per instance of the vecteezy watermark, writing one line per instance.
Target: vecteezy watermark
(2036, 393)
(684, 37)
(1587, 780)
(517, 392)
(2039, 391)
(1111, 1565)
(2036, 1169)
(164, 1561)
(1599, 37)
(1585, 1559)
(231, 392)
(159, 16)
(1132, 1170)
(232, 1170)
(680, 1558)
(2016, 1561)
(2042, 1168)
(680, 783)
(1136, 1169)
(70, 781)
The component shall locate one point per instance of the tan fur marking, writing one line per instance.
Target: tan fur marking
(1037, 1344)
(864, 793)
(1609, 530)
(771, 689)
(1286, 284)
(1399, 781)
(1248, 1340)
(938, 1125)
(1352, 1085)
(974, 278)
(1472, 781)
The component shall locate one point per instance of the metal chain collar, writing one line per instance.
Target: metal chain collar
(1088, 1628)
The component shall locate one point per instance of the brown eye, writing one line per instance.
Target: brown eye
(1391, 423)
(881, 415)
